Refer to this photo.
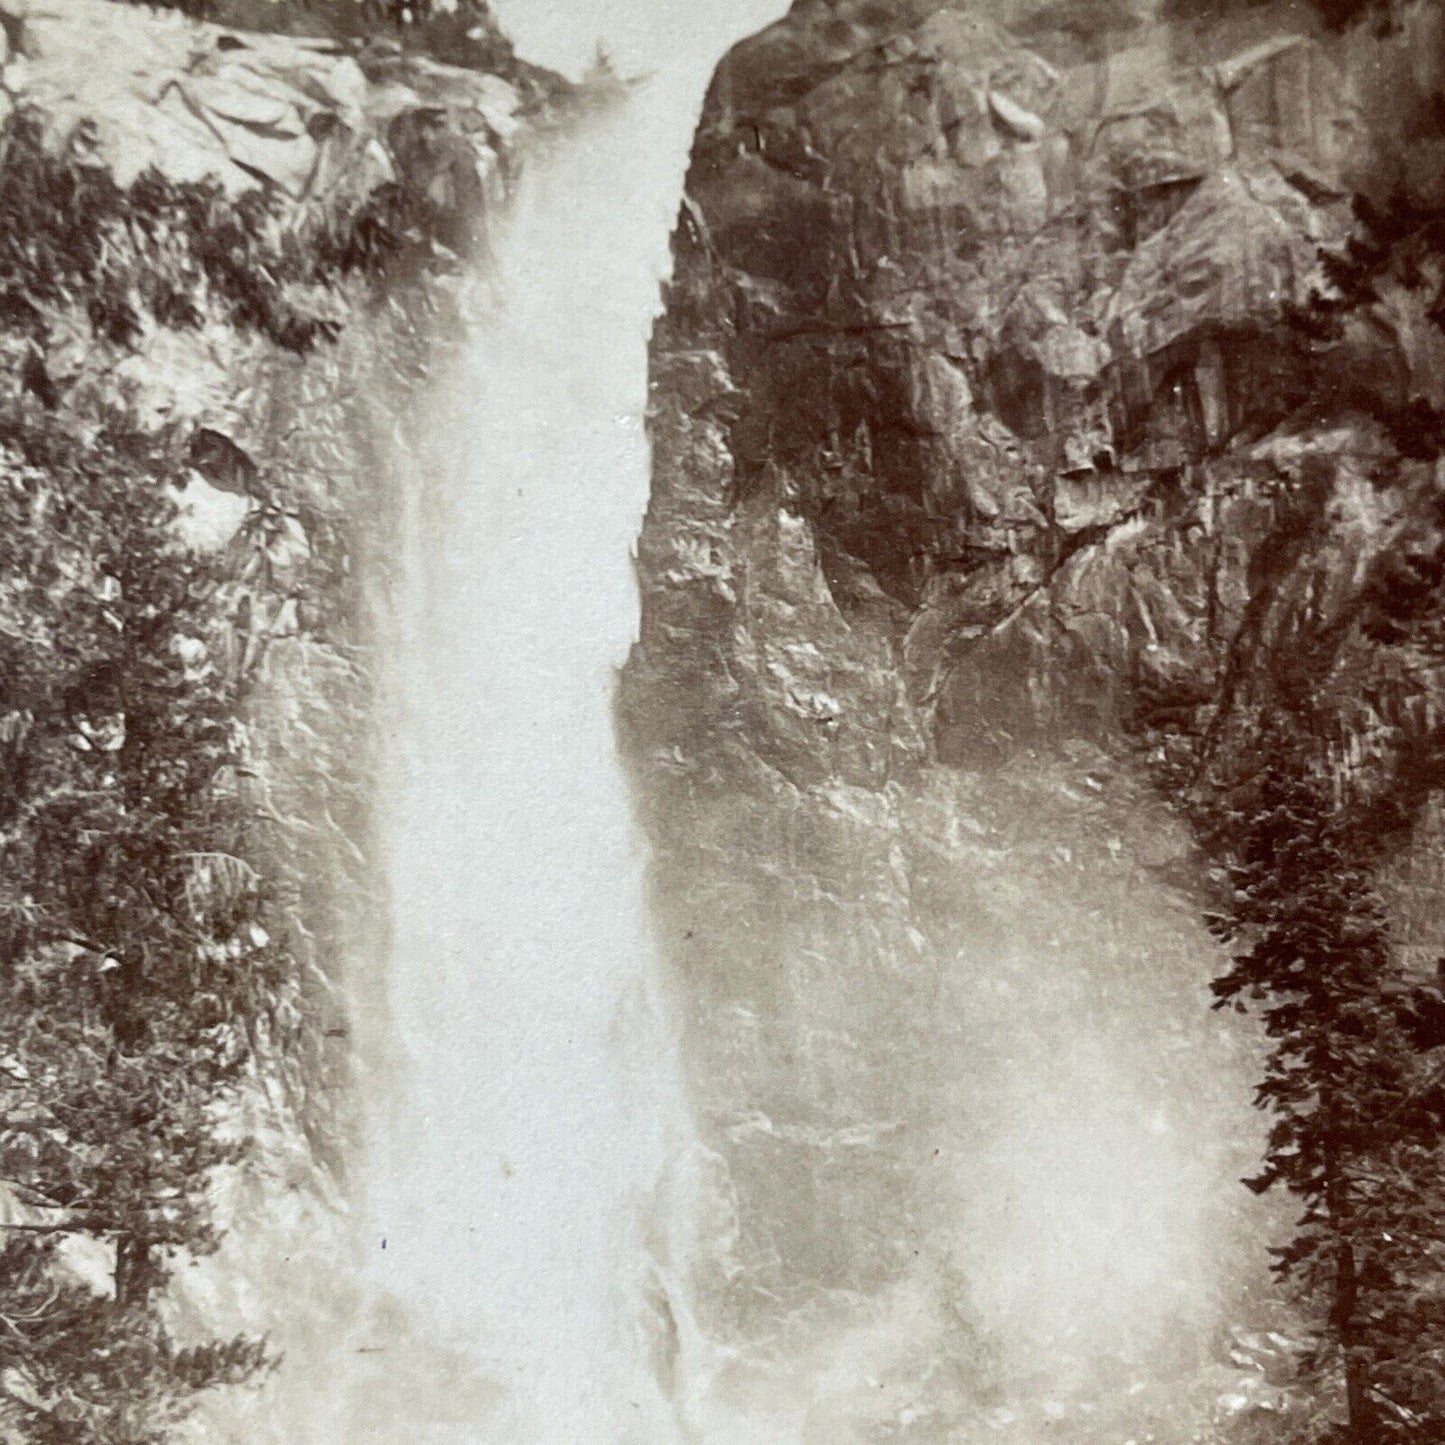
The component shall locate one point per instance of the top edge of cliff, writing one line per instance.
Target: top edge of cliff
(818, 39)
(311, 113)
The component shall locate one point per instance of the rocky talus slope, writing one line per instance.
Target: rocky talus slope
(1003, 490)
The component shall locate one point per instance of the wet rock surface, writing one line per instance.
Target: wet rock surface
(995, 485)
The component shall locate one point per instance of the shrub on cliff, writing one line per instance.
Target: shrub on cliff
(161, 253)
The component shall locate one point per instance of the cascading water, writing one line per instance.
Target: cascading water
(537, 1178)
(520, 1146)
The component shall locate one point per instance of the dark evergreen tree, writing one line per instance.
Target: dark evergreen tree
(135, 961)
(1355, 1107)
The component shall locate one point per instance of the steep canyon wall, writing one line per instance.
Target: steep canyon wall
(232, 261)
(999, 495)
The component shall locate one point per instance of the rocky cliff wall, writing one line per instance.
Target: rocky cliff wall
(364, 178)
(230, 261)
(1000, 494)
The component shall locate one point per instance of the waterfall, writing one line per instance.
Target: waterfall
(537, 1106)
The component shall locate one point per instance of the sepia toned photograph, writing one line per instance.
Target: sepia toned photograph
(722, 722)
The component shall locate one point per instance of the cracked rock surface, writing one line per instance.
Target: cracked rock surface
(980, 438)
(303, 117)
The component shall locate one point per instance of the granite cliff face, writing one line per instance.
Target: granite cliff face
(230, 261)
(1000, 496)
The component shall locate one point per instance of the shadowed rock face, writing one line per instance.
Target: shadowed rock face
(992, 482)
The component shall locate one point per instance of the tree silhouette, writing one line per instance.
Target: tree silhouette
(1356, 1110)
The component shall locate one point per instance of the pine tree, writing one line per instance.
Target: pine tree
(134, 966)
(1356, 1112)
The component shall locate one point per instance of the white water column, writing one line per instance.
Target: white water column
(537, 1105)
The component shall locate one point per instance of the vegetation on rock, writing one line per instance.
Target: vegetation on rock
(1301, 820)
(183, 753)
(1356, 1111)
(141, 943)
